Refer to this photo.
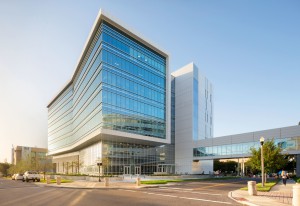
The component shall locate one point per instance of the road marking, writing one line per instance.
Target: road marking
(190, 198)
(150, 193)
(55, 195)
(176, 188)
(200, 193)
(174, 196)
(75, 202)
(25, 197)
(9, 188)
(128, 190)
(215, 185)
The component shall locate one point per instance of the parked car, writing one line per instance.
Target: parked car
(19, 176)
(13, 176)
(31, 175)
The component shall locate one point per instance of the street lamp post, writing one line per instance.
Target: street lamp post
(262, 140)
(99, 165)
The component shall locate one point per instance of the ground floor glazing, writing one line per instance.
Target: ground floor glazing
(118, 158)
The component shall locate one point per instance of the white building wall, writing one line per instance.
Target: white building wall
(89, 157)
(203, 167)
(184, 119)
(205, 107)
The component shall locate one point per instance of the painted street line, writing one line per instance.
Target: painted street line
(75, 201)
(150, 193)
(11, 202)
(200, 193)
(190, 198)
(215, 185)
(175, 188)
(128, 190)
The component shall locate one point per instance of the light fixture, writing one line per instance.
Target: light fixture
(262, 140)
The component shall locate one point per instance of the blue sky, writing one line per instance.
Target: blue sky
(250, 51)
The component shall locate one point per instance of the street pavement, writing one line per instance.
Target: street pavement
(118, 193)
(279, 195)
(210, 193)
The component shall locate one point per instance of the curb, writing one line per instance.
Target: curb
(109, 187)
(239, 201)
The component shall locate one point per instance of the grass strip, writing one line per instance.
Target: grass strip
(268, 186)
(297, 179)
(53, 181)
(154, 182)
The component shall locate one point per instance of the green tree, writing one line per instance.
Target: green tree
(227, 167)
(273, 158)
(77, 165)
(44, 165)
(21, 166)
(4, 168)
(105, 164)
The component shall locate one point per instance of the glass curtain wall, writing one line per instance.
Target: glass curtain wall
(121, 86)
(133, 85)
(129, 158)
(287, 144)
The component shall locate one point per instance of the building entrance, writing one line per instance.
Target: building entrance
(165, 168)
(126, 170)
(137, 170)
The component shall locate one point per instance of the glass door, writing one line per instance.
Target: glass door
(126, 170)
(138, 170)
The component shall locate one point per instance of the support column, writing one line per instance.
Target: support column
(238, 170)
(243, 167)
(298, 165)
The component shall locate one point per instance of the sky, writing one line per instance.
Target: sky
(249, 50)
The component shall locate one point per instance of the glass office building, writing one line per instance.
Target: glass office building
(116, 106)
(119, 108)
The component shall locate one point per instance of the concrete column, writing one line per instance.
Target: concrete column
(58, 180)
(252, 188)
(238, 167)
(106, 181)
(243, 167)
(48, 179)
(138, 181)
(296, 195)
(298, 165)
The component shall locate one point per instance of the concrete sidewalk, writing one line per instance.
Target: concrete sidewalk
(279, 195)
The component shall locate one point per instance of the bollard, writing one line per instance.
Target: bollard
(138, 181)
(296, 195)
(252, 188)
(48, 179)
(106, 181)
(58, 180)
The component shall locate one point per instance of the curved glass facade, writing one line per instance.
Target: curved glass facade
(134, 81)
(121, 86)
(60, 120)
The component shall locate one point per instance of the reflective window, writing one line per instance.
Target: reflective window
(121, 86)
(287, 144)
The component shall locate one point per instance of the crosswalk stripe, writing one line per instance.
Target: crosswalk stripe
(200, 193)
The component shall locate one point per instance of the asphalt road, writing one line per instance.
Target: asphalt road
(210, 193)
